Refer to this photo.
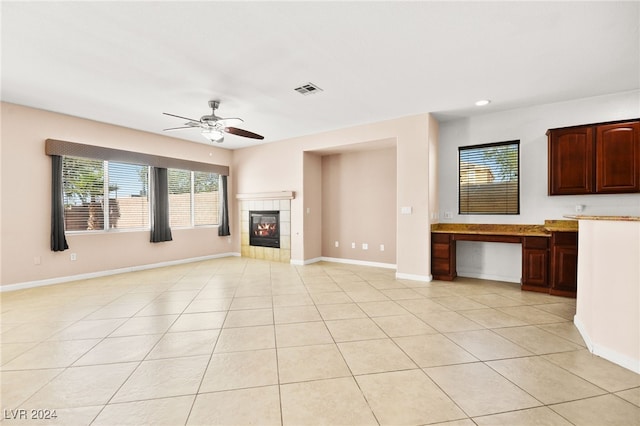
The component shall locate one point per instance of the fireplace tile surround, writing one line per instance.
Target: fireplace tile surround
(249, 202)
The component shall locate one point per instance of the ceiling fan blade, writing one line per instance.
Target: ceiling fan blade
(179, 116)
(177, 128)
(243, 133)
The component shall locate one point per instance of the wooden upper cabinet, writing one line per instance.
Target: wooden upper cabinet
(618, 158)
(571, 155)
(596, 158)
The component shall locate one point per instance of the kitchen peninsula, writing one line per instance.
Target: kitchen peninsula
(608, 303)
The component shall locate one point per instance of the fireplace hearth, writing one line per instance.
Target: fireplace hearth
(264, 228)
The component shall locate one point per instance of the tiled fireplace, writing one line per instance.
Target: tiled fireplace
(265, 225)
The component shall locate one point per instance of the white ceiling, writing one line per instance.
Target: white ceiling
(128, 62)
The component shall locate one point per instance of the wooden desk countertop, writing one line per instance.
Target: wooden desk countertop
(507, 229)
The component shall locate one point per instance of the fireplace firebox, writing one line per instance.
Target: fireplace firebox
(264, 228)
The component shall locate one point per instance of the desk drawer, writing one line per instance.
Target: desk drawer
(535, 243)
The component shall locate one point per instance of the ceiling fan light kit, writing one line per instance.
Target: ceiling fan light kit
(213, 127)
(213, 135)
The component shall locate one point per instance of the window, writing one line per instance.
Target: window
(206, 201)
(128, 196)
(489, 178)
(83, 192)
(179, 198)
(193, 198)
(86, 181)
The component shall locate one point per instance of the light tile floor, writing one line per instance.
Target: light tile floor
(240, 341)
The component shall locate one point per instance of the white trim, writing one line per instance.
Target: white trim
(491, 277)
(282, 195)
(617, 358)
(606, 353)
(399, 275)
(307, 261)
(353, 262)
(413, 277)
(583, 333)
(60, 280)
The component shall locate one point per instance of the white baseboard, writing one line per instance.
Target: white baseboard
(399, 275)
(606, 353)
(583, 333)
(355, 262)
(488, 277)
(60, 280)
(297, 262)
(414, 277)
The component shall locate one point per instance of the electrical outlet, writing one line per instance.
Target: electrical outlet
(74, 257)
(353, 245)
(37, 260)
(337, 244)
(448, 215)
(381, 247)
(365, 246)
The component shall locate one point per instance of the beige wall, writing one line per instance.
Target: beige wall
(26, 193)
(280, 166)
(314, 208)
(359, 205)
(293, 164)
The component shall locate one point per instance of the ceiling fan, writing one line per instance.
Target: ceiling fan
(213, 127)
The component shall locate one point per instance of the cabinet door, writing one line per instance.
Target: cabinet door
(571, 160)
(618, 158)
(535, 261)
(443, 257)
(564, 263)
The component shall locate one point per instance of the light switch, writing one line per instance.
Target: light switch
(406, 210)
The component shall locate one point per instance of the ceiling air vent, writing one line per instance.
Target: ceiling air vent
(308, 89)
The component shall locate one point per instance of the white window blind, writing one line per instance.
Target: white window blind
(206, 203)
(179, 197)
(86, 181)
(489, 178)
(83, 193)
(108, 195)
(128, 202)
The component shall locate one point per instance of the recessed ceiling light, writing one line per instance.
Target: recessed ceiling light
(483, 102)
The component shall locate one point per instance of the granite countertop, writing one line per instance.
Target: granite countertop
(507, 229)
(612, 218)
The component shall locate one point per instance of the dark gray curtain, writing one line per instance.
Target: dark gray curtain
(223, 228)
(160, 230)
(58, 240)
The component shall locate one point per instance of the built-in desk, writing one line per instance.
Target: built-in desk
(549, 251)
